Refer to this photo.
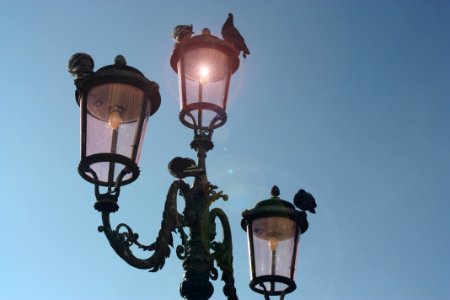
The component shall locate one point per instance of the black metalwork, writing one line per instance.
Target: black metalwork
(198, 248)
(121, 241)
(201, 253)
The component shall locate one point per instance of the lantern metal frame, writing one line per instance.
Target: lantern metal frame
(202, 41)
(120, 73)
(273, 207)
(116, 73)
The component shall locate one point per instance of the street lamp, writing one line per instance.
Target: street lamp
(204, 64)
(273, 229)
(116, 102)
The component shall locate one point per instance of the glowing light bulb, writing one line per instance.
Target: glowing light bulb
(204, 75)
(273, 243)
(115, 119)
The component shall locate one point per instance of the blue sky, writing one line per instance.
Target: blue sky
(347, 99)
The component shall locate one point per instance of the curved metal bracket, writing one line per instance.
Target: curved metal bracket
(121, 241)
(106, 202)
(223, 251)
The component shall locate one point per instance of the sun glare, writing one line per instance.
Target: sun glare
(204, 75)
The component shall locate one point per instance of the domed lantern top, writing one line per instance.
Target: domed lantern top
(204, 64)
(273, 229)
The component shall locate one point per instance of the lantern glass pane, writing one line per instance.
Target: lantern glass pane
(274, 243)
(113, 120)
(206, 75)
(141, 140)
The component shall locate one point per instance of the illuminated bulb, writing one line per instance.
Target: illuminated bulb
(115, 119)
(273, 243)
(204, 75)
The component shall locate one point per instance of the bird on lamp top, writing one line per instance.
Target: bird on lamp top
(232, 36)
(305, 201)
(80, 64)
(180, 167)
(182, 32)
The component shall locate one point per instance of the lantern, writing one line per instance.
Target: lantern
(273, 230)
(204, 64)
(115, 104)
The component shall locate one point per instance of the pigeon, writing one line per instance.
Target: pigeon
(80, 64)
(184, 167)
(232, 36)
(305, 201)
(182, 32)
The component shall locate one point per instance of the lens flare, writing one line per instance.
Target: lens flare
(204, 75)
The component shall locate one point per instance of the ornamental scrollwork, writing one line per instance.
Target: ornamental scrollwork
(123, 237)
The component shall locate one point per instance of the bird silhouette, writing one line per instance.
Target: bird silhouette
(80, 64)
(182, 32)
(180, 167)
(232, 36)
(305, 201)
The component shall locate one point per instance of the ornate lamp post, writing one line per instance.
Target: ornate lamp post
(115, 104)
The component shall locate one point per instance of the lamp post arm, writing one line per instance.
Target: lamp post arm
(223, 254)
(123, 237)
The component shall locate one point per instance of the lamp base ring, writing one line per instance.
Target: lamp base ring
(86, 169)
(259, 284)
(187, 117)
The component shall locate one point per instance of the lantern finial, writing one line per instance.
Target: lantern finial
(206, 31)
(275, 192)
(120, 60)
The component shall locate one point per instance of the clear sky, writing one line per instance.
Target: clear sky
(346, 99)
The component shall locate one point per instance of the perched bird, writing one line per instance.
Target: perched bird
(184, 167)
(80, 64)
(182, 32)
(305, 201)
(232, 36)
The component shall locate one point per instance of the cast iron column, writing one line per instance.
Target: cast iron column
(198, 263)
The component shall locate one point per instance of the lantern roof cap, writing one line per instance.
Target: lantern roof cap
(120, 63)
(204, 40)
(275, 207)
(120, 72)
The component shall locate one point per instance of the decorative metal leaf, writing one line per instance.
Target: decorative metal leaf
(214, 195)
(223, 253)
